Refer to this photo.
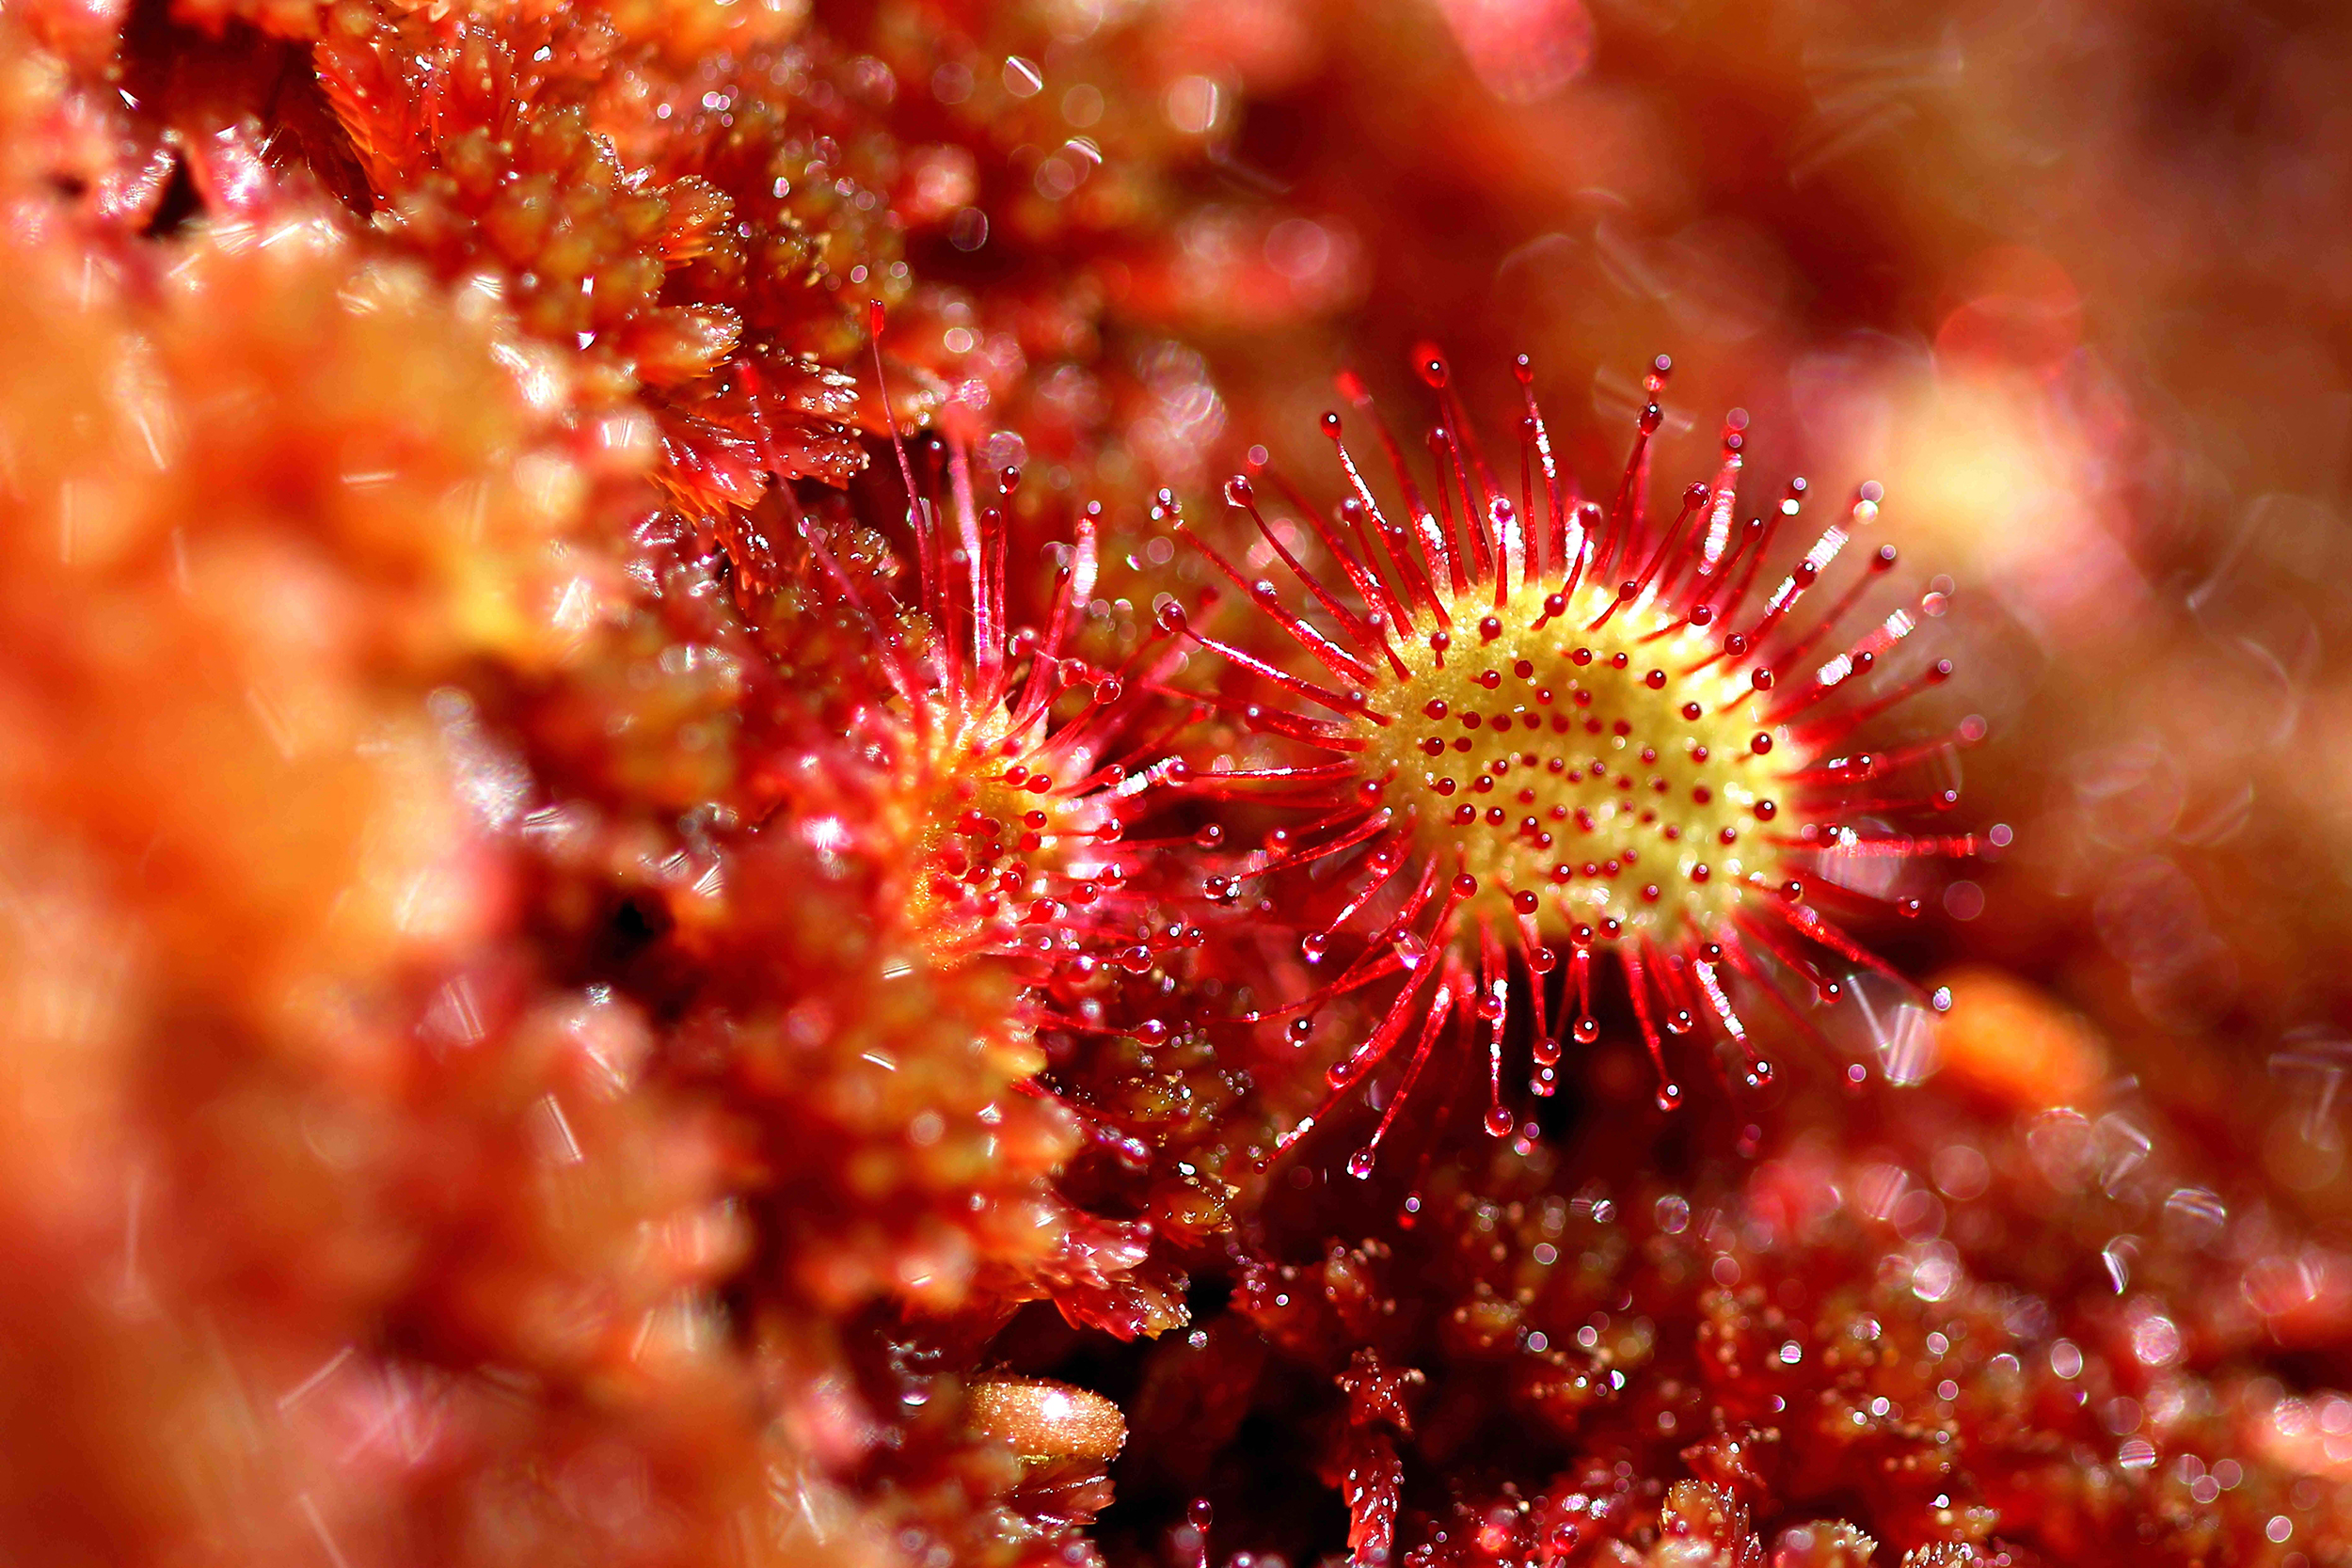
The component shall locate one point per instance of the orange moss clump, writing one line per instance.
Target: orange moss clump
(273, 1038)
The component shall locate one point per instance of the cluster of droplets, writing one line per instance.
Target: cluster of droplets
(977, 862)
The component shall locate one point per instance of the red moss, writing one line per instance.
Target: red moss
(1556, 1360)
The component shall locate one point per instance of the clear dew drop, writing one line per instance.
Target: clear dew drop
(1498, 1121)
(2194, 1217)
(1359, 1164)
(1199, 1516)
(2117, 1256)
